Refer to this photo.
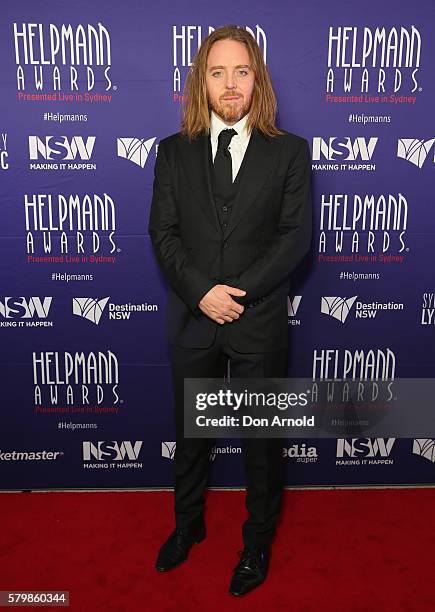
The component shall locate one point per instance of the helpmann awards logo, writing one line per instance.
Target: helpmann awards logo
(62, 58)
(373, 65)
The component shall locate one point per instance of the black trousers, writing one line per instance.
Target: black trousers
(263, 457)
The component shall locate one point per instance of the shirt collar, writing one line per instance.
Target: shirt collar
(217, 125)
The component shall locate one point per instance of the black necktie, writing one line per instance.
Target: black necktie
(222, 166)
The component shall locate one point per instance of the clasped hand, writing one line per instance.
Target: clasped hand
(219, 305)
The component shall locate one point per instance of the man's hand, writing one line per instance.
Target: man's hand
(218, 305)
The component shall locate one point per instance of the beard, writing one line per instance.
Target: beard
(230, 111)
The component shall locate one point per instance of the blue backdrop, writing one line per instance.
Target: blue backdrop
(87, 92)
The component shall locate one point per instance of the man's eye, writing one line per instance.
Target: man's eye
(243, 72)
(216, 73)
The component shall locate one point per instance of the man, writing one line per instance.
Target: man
(230, 219)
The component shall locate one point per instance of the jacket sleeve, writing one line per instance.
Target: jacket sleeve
(293, 237)
(186, 280)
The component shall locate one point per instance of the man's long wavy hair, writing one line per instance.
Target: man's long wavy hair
(196, 111)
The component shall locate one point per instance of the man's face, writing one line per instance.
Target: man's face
(230, 80)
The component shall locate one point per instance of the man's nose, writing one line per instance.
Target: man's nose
(230, 82)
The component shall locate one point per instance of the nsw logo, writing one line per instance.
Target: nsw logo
(111, 450)
(25, 308)
(57, 148)
(364, 447)
(343, 149)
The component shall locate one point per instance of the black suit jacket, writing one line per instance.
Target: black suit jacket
(268, 233)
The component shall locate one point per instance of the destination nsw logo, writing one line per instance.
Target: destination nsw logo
(186, 40)
(364, 60)
(416, 151)
(424, 447)
(92, 309)
(62, 57)
(168, 450)
(135, 150)
(367, 229)
(67, 382)
(73, 229)
(339, 307)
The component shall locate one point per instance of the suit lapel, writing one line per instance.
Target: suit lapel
(258, 163)
(195, 160)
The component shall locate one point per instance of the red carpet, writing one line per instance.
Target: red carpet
(363, 550)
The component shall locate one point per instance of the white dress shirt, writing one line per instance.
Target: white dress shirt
(238, 143)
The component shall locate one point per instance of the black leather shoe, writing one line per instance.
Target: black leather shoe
(176, 548)
(251, 570)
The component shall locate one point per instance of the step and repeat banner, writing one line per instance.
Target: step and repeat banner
(87, 92)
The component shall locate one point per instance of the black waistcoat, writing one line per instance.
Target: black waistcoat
(224, 206)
